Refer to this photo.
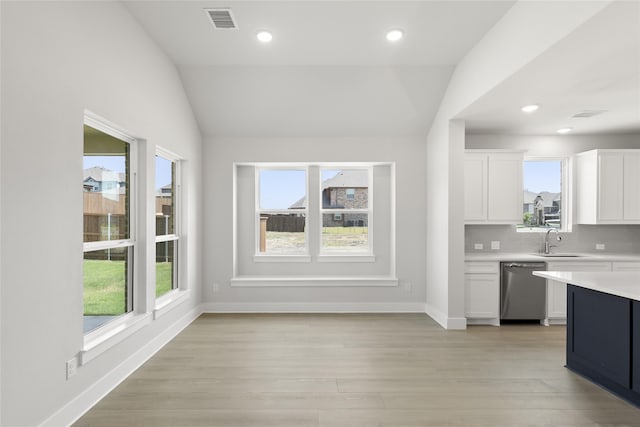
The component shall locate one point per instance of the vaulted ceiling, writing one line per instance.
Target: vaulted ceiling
(329, 70)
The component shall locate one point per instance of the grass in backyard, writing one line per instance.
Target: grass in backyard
(104, 286)
(163, 278)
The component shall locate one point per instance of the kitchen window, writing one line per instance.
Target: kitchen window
(545, 195)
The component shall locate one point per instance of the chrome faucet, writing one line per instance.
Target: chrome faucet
(547, 246)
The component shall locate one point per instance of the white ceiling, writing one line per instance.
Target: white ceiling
(329, 70)
(597, 67)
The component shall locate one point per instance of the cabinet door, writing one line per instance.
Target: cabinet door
(631, 187)
(475, 187)
(556, 300)
(635, 340)
(610, 187)
(599, 336)
(482, 296)
(505, 188)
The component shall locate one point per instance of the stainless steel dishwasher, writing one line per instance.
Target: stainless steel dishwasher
(523, 296)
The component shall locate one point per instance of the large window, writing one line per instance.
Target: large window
(166, 201)
(345, 211)
(340, 210)
(544, 204)
(108, 226)
(281, 211)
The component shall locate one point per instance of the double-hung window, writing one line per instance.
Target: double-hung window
(108, 225)
(346, 210)
(545, 195)
(281, 211)
(166, 221)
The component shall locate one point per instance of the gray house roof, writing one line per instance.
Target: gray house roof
(101, 174)
(547, 198)
(353, 178)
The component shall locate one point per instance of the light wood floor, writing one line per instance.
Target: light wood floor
(358, 370)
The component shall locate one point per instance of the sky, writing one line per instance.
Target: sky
(542, 176)
(117, 164)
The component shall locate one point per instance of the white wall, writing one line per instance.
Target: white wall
(59, 58)
(527, 30)
(219, 156)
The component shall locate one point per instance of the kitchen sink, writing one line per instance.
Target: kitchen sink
(559, 255)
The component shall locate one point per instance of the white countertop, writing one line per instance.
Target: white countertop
(511, 256)
(623, 284)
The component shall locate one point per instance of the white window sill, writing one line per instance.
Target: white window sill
(292, 281)
(102, 339)
(346, 258)
(167, 302)
(281, 258)
(538, 230)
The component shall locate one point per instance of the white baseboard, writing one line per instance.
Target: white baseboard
(324, 307)
(73, 410)
(452, 323)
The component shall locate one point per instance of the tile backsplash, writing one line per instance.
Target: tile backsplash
(583, 238)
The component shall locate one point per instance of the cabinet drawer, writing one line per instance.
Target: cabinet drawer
(625, 266)
(579, 266)
(481, 267)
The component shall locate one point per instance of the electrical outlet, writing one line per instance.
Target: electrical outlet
(495, 244)
(406, 286)
(216, 287)
(478, 246)
(600, 246)
(72, 367)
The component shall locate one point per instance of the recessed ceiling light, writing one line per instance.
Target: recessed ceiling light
(264, 36)
(394, 35)
(564, 130)
(530, 108)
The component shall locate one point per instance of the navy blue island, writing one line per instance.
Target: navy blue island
(603, 328)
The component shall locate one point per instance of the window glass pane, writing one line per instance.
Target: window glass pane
(105, 186)
(347, 232)
(107, 292)
(542, 194)
(282, 234)
(283, 189)
(165, 196)
(345, 188)
(165, 267)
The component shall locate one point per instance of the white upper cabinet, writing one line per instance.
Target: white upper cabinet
(608, 187)
(493, 187)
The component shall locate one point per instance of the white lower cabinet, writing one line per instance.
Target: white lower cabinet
(482, 293)
(557, 291)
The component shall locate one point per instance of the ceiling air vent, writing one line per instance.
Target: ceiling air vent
(587, 113)
(222, 19)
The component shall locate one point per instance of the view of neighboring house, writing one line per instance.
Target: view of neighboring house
(348, 189)
(550, 202)
(101, 180)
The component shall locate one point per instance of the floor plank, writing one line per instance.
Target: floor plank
(358, 370)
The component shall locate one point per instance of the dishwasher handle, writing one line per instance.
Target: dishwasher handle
(538, 265)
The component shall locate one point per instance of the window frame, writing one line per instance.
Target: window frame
(260, 256)
(565, 191)
(110, 333)
(332, 255)
(169, 296)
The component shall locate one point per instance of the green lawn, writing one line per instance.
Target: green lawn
(104, 286)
